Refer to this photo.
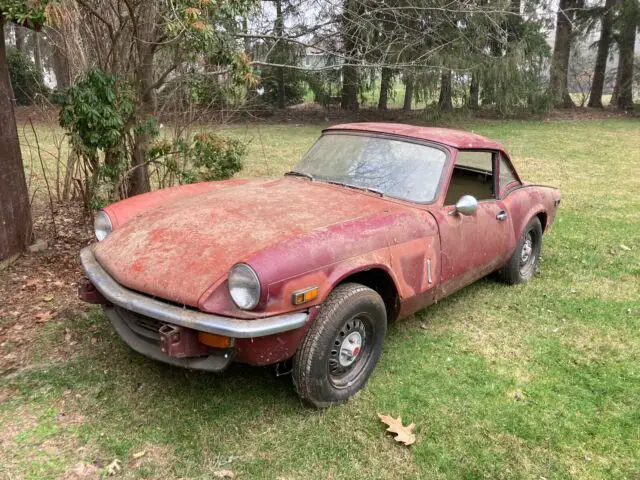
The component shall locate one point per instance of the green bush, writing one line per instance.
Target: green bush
(202, 157)
(294, 86)
(27, 82)
(99, 113)
(325, 85)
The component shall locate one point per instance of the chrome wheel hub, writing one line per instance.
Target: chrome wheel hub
(350, 348)
(349, 351)
(527, 249)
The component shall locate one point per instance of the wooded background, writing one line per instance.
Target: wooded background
(118, 69)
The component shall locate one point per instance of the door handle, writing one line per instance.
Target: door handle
(502, 215)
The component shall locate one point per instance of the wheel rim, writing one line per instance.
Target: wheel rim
(350, 351)
(528, 254)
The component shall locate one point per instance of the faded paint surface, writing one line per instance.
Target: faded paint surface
(179, 244)
(178, 249)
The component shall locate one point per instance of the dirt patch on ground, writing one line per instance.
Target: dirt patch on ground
(41, 287)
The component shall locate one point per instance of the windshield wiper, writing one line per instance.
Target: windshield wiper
(357, 187)
(300, 174)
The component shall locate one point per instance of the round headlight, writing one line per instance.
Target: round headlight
(102, 225)
(244, 286)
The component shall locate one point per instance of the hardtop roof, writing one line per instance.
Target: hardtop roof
(454, 138)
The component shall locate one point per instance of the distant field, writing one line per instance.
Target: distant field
(540, 380)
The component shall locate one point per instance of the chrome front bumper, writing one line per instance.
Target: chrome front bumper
(189, 318)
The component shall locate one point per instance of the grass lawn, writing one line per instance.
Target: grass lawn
(540, 380)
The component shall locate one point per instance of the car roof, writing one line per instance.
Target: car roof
(447, 136)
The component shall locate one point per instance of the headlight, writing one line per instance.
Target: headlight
(102, 225)
(244, 286)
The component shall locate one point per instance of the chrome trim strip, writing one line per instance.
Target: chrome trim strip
(429, 279)
(205, 322)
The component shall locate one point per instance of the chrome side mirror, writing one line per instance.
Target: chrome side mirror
(467, 205)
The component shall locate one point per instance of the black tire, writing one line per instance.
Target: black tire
(523, 264)
(351, 313)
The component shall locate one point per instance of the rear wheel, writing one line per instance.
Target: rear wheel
(523, 263)
(342, 346)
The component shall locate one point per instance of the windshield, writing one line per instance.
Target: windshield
(396, 168)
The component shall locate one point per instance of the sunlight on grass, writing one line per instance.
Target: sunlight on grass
(534, 381)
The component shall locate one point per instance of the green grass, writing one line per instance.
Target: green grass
(540, 380)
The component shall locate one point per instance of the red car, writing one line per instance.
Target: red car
(376, 222)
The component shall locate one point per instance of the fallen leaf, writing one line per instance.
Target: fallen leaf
(82, 471)
(44, 317)
(224, 474)
(139, 454)
(403, 434)
(114, 467)
(47, 298)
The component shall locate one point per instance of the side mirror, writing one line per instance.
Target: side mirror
(467, 205)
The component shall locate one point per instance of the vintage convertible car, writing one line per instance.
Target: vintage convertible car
(376, 221)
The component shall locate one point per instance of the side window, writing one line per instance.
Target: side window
(472, 175)
(507, 175)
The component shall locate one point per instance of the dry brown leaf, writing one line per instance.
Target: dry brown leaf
(138, 455)
(81, 471)
(44, 317)
(403, 434)
(114, 467)
(224, 474)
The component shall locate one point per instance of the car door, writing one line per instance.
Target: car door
(473, 246)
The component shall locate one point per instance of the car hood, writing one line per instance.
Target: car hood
(177, 250)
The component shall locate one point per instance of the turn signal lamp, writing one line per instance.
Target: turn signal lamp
(304, 296)
(216, 341)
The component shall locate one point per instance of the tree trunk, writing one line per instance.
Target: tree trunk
(37, 52)
(385, 83)
(616, 86)
(560, 59)
(139, 181)
(15, 212)
(408, 92)
(445, 102)
(350, 35)
(245, 30)
(474, 92)
(282, 101)
(597, 85)
(626, 47)
(58, 59)
(60, 69)
(350, 89)
(145, 49)
(19, 33)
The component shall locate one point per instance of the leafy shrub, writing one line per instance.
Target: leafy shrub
(99, 114)
(202, 157)
(96, 112)
(325, 85)
(294, 86)
(96, 109)
(27, 81)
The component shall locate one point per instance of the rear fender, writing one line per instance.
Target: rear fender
(525, 203)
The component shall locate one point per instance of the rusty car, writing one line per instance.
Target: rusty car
(376, 222)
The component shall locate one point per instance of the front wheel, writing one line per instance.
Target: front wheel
(523, 263)
(342, 346)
